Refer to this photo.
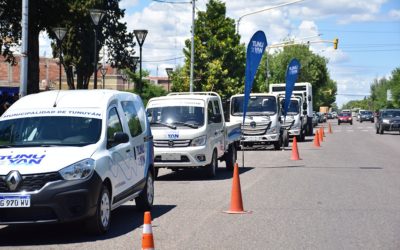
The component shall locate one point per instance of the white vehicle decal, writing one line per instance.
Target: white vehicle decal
(90, 113)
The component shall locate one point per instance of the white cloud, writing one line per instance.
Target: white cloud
(395, 14)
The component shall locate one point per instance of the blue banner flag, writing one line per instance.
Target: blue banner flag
(255, 50)
(292, 73)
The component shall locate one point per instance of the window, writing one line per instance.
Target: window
(135, 128)
(113, 125)
(210, 112)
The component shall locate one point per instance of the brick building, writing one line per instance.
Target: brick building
(49, 76)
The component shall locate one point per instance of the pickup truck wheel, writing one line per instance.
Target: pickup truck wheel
(144, 202)
(212, 167)
(278, 144)
(230, 157)
(285, 138)
(100, 222)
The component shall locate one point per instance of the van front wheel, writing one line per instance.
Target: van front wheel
(100, 222)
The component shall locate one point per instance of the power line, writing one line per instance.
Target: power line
(165, 60)
(161, 1)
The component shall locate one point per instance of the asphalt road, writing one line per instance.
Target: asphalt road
(344, 195)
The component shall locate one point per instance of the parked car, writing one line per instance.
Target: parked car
(321, 117)
(74, 156)
(365, 115)
(388, 120)
(315, 119)
(345, 118)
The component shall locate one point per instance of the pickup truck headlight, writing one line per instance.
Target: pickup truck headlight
(79, 170)
(199, 141)
(272, 130)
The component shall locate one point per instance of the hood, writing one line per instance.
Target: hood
(164, 133)
(41, 160)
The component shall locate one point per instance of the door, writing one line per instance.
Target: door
(216, 126)
(119, 153)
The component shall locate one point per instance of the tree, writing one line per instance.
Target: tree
(77, 45)
(395, 87)
(313, 70)
(219, 56)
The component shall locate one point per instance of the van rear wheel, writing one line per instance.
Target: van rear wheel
(144, 202)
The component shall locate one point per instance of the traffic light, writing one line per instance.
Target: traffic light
(335, 43)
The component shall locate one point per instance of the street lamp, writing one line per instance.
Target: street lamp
(169, 73)
(103, 71)
(96, 16)
(140, 37)
(60, 33)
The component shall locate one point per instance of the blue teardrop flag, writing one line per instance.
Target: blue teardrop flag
(292, 73)
(255, 50)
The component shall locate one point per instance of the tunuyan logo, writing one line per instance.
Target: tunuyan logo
(21, 159)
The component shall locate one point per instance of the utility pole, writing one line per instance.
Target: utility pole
(192, 48)
(24, 49)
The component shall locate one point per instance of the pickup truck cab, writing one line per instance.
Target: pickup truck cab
(190, 132)
(74, 155)
(263, 123)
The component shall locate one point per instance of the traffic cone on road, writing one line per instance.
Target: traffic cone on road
(316, 140)
(295, 151)
(329, 128)
(236, 195)
(147, 238)
(323, 131)
(321, 137)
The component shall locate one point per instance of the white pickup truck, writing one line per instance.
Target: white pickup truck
(190, 131)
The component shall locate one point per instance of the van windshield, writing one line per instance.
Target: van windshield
(49, 131)
(189, 116)
(294, 108)
(257, 106)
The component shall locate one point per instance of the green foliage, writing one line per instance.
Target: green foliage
(219, 57)
(378, 98)
(313, 70)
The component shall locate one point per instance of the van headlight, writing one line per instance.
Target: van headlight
(199, 141)
(79, 170)
(272, 130)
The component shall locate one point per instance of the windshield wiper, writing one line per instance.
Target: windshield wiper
(190, 125)
(164, 124)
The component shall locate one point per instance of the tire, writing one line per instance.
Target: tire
(144, 202)
(156, 172)
(360, 121)
(99, 223)
(351, 123)
(211, 169)
(278, 144)
(230, 157)
(285, 138)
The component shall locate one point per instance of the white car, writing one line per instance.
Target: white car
(74, 155)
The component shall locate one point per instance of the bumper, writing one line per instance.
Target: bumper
(182, 157)
(294, 132)
(391, 127)
(345, 121)
(60, 201)
(260, 139)
(371, 119)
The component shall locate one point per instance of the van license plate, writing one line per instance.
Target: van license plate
(171, 157)
(15, 201)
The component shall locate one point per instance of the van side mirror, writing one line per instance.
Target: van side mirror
(119, 137)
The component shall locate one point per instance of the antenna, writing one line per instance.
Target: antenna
(55, 101)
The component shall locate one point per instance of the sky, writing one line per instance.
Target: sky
(368, 33)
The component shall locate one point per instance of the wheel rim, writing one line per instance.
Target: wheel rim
(105, 210)
(150, 189)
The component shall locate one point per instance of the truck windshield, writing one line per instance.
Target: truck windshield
(257, 106)
(187, 116)
(49, 131)
(293, 107)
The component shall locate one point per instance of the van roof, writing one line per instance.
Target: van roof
(97, 98)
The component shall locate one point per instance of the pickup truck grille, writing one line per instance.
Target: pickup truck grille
(171, 143)
(30, 182)
(253, 128)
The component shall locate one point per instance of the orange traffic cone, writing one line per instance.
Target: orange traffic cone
(147, 238)
(295, 151)
(236, 196)
(321, 137)
(329, 128)
(316, 140)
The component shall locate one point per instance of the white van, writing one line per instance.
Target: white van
(74, 155)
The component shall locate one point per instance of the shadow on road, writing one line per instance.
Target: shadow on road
(124, 220)
(198, 174)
